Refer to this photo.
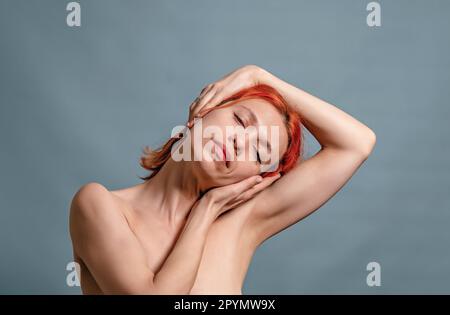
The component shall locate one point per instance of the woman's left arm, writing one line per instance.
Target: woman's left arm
(345, 144)
(332, 127)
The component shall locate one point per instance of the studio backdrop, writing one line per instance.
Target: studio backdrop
(80, 96)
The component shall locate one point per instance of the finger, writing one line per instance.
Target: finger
(192, 105)
(217, 98)
(191, 109)
(194, 108)
(203, 91)
(233, 205)
(242, 186)
(203, 101)
(191, 122)
(250, 193)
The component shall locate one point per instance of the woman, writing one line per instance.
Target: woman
(193, 225)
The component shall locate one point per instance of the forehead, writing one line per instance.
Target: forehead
(268, 116)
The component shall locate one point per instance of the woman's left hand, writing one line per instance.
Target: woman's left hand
(213, 94)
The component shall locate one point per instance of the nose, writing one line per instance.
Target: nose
(240, 142)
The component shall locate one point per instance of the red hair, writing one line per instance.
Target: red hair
(154, 160)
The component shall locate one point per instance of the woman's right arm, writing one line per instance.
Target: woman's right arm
(103, 240)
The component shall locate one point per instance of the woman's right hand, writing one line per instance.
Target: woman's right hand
(214, 93)
(222, 199)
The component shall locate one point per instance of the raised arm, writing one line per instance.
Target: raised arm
(103, 240)
(345, 144)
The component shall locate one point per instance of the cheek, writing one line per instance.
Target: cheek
(245, 169)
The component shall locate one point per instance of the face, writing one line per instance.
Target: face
(237, 142)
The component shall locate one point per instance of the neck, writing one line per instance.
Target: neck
(171, 193)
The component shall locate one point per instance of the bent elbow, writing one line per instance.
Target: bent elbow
(369, 143)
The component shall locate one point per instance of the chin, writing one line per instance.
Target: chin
(209, 167)
(213, 174)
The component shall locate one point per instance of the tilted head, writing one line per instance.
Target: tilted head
(251, 132)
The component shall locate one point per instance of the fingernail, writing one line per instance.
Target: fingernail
(258, 179)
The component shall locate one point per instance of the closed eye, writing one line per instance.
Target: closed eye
(258, 157)
(238, 119)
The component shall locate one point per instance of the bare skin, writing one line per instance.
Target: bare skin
(161, 237)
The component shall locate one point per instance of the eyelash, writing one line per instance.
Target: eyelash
(239, 120)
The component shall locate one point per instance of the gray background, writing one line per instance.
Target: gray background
(78, 105)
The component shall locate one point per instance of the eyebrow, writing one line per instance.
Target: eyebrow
(255, 121)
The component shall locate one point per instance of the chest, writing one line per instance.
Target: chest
(225, 259)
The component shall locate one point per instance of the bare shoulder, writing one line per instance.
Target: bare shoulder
(103, 241)
(94, 209)
(90, 191)
(91, 197)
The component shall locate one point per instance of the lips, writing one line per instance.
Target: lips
(224, 151)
